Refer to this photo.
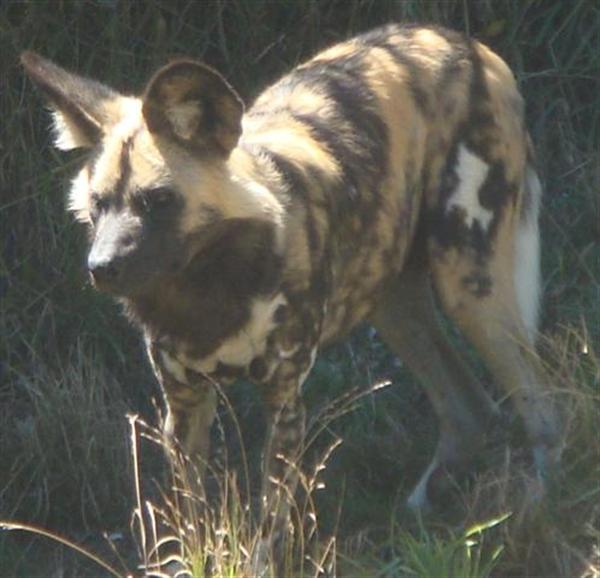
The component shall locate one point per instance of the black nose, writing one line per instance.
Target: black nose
(103, 271)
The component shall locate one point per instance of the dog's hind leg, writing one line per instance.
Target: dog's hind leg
(488, 283)
(407, 320)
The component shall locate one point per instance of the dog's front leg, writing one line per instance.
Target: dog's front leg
(283, 450)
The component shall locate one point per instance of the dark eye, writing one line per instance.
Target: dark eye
(162, 197)
(98, 205)
(157, 199)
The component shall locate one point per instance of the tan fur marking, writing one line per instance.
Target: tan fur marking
(290, 139)
(302, 100)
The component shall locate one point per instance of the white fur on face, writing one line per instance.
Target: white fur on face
(79, 196)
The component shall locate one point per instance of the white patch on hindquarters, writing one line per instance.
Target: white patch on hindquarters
(527, 257)
(471, 172)
(249, 342)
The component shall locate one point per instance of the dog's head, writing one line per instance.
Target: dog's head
(156, 187)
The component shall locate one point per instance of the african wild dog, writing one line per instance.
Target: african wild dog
(242, 242)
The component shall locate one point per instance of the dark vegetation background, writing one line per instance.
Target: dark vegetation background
(71, 368)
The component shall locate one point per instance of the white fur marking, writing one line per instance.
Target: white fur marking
(527, 259)
(472, 172)
(245, 345)
(185, 118)
(79, 196)
(66, 133)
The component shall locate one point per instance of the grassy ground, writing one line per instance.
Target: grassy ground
(71, 369)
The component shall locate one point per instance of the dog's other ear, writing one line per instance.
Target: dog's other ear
(192, 104)
(83, 108)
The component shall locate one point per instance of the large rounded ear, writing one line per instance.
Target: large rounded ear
(83, 108)
(193, 105)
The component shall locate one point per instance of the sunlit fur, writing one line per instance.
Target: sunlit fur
(387, 164)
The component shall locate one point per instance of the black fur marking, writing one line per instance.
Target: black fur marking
(280, 314)
(362, 147)
(422, 96)
(496, 191)
(124, 169)
(451, 66)
(81, 99)
(293, 178)
(479, 132)
(258, 369)
(297, 186)
(455, 60)
(448, 227)
(350, 161)
(312, 233)
(210, 300)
